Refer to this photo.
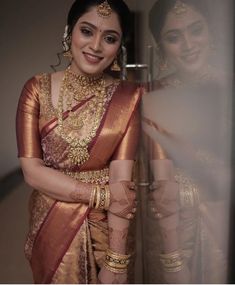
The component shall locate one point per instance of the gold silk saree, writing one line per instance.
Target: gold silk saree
(67, 241)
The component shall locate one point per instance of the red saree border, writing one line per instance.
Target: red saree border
(120, 111)
(54, 238)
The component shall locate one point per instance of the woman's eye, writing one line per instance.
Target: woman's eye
(110, 39)
(197, 30)
(86, 32)
(174, 38)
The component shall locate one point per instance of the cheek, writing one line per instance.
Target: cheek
(204, 41)
(111, 51)
(171, 51)
(77, 41)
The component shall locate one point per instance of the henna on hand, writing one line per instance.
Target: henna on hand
(123, 202)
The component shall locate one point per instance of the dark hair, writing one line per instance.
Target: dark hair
(160, 9)
(80, 7)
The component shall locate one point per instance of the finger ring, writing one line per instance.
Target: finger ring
(158, 215)
(153, 209)
(133, 210)
(130, 216)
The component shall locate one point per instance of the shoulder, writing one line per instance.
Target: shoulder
(31, 88)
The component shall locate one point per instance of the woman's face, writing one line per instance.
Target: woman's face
(185, 40)
(95, 42)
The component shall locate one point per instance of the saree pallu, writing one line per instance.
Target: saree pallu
(67, 241)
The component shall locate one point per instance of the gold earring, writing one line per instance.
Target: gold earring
(115, 66)
(68, 54)
(163, 66)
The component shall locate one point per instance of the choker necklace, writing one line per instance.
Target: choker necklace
(79, 88)
(207, 75)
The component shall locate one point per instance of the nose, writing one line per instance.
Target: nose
(96, 43)
(187, 42)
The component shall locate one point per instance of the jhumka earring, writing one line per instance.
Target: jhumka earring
(163, 64)
(104, 10)
(179, 8)
(115, 66)
(66, 42)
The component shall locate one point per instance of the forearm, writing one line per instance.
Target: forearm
(120, 170)
(54, 183)
(167, 189)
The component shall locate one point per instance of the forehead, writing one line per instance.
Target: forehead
(182, 21)
(109, 23)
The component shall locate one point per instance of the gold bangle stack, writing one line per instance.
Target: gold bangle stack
(100, 197)
(172, 262)
(116, 262)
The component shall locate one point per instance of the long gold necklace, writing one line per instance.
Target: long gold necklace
(94, 108)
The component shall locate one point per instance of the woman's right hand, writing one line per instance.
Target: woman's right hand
(123, 203)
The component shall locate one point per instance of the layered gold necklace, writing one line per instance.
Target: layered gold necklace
(78, 88)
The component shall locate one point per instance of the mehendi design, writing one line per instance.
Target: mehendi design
(76, 196)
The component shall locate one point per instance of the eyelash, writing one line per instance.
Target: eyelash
(172, 39)
(108, 38)
(86, 32)
(197, 30)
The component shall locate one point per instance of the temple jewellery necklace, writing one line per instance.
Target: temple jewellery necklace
(78, 88)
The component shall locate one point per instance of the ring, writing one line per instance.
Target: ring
(130, 216)
(153, 209)
(158, 215)
(133, 210)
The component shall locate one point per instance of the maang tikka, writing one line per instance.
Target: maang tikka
(179, 8)
(104, 10)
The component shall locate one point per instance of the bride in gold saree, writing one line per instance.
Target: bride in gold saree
(77, 133)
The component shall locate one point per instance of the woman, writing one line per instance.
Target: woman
(77, 131)
(184, 123)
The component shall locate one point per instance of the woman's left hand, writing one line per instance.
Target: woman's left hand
(123, 203)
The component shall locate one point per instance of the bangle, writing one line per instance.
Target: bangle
(101, 204)
(92, 197)
(116, 262)
(172, 262)
(98, 197)
(107, 198)
(113, 269)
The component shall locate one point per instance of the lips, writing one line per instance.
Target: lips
(91, 58)
(191, 57)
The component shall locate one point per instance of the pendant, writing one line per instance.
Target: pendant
(78, 154)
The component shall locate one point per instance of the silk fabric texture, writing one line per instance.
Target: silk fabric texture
(67, 241)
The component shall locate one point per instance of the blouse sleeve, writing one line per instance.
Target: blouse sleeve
(128, 146)
(27, 121)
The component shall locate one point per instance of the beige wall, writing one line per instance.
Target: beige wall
(30, 37)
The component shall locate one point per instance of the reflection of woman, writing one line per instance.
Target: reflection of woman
(185, 158)
(77, 131)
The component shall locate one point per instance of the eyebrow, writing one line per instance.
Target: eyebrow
(177, 30)
(94, 27)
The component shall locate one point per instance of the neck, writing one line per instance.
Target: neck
(205, 73)
(75, 72)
